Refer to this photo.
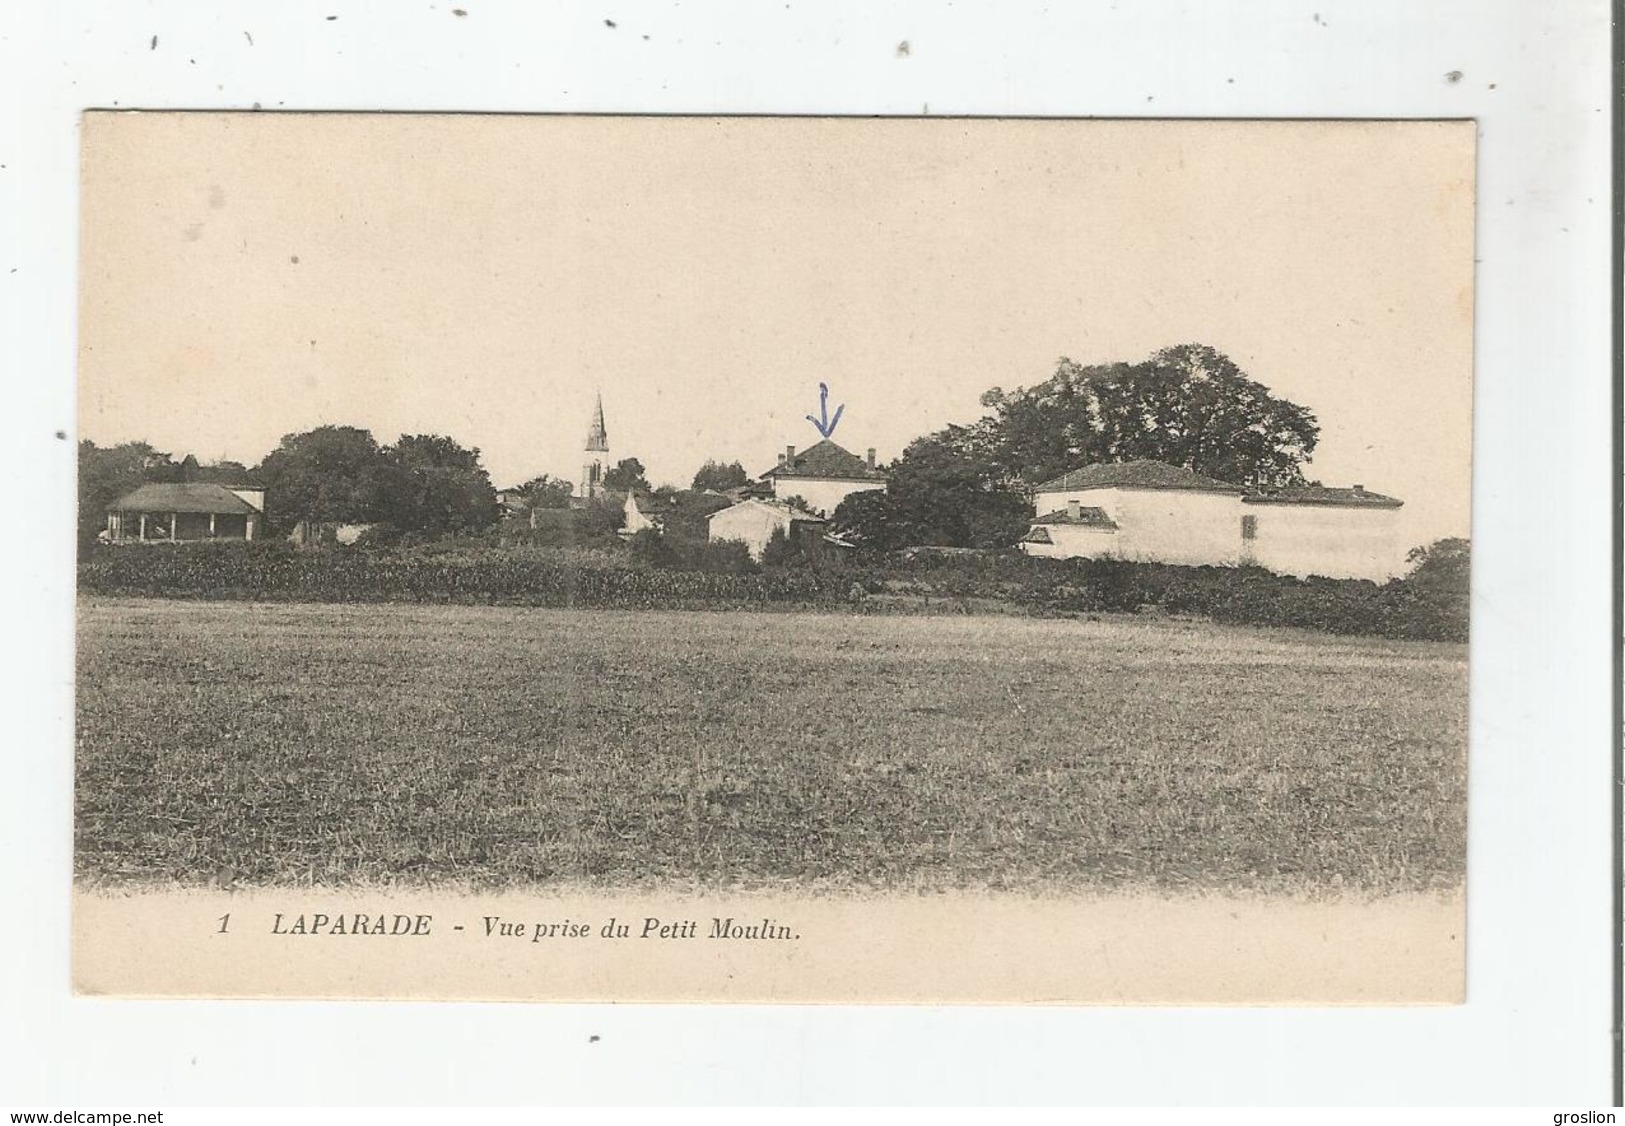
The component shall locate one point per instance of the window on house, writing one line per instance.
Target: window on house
(1249, 527)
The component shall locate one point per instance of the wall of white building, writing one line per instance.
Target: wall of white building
(1205, 528)
(750, 523)
(1075, 541)
(635, 521)
(1164, 525)
(1337, 541)
(822, 494)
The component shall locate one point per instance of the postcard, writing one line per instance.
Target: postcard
(773, 559)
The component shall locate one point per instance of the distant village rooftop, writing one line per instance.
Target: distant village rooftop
(826, 460)
(782, 507)
(1136, 475)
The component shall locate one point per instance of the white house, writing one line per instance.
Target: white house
(824, 475)
(641, 511)
(753, 521)
(1152, 512)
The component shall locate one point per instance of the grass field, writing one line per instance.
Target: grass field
(297, 744)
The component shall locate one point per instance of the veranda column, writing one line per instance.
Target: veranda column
(211, 525)
(174, 522)
(143, 527)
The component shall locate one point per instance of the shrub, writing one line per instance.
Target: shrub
(650, 547)
(782, 551)
(692, 574)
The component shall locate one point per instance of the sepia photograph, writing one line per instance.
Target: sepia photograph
(773, 558)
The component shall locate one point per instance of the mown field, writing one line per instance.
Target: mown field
(294, 744)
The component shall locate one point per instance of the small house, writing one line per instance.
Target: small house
(642, 512)
(752, 522)
(193, 512)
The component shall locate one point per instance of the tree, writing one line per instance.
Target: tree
(648, 546)
(1188, 405)
(600, 518)
(431, 484)
(1442, 565)
(868, 520)
(225, 472)
(938, 495)
(546, 492)
(783, 550)
(333, 474)
(105, 474)
(719, 477)
(627, 476)
(800, 504)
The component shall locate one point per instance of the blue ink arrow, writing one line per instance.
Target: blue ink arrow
(826, 425)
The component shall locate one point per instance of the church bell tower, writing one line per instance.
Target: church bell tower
(597, 459)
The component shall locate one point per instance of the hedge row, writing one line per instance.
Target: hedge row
(275, 573)
(1238, 596)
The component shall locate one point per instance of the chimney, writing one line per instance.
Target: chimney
(1074, 511)
(1359, 490)
(789, 454)
(870, 458)
(781, 461)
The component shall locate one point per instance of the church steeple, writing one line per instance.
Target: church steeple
(597, 438)
(597, 453)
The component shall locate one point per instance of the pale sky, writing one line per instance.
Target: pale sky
(251, 275)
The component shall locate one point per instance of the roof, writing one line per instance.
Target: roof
(197, 496)
(1035, 534)
(706, 502)
(1137, 475)
(1087, 517)
(688, 500)
(1353, 497)
(776, 505)
(826, 459)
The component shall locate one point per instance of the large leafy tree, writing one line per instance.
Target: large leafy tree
(107, 473)
(429, 483)
(333, 474)
(720, 476)
(1442, 565)
(937, 494)
(869, 520)
(627, 476)
(225, 472)
(1188, 405)
(546, 492)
